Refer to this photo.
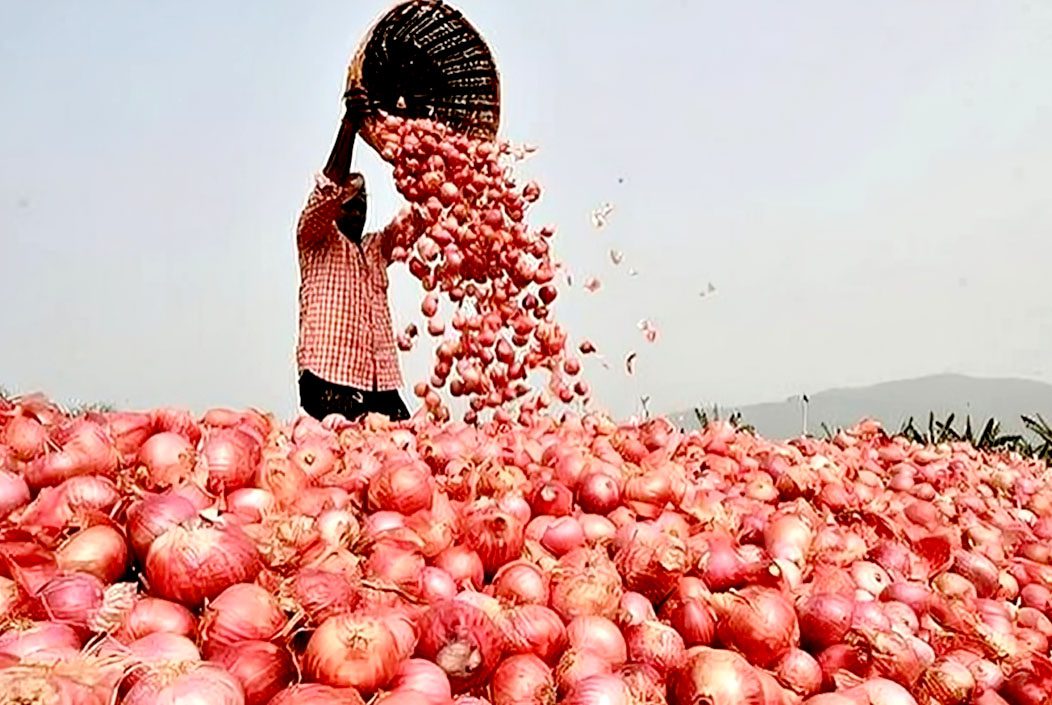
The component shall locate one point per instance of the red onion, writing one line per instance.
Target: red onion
(99, 550)
(263, 669)
(716, 677)
(534, 629)
(242, 612)
(798, 671)
(563, 535)
(586, 582)
(463, 565)
(154, 515)
(655, 644)
(317, 694)
(825, 619)
(636, 609)
(203, 683)
(598, 690)
(25, 436)
(437, 585)
(404, 487)
(424, 681)
(597, 529)
(521, 582)
(14, 493)
(72, 599)
(51, 638)
(463, 641)
(150, 615)
(168, 459)
(575, 665)
(552, 499)
(759, 623)
(870, 615)
(322, 593)
(600, 636)
(229, 459)
(598, 493)
(523, 680)
(946, 682)
(397, 563)
(352, 650)
(251, 503)
(495, 535)
(195, 561)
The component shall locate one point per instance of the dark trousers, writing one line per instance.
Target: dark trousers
(320, 398)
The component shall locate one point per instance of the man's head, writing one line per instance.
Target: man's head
(351, 219)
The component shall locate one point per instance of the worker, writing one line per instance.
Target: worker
(346, 354)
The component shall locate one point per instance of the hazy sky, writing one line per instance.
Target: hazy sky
(868, 185)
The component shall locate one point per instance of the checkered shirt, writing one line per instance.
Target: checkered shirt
(345, 331)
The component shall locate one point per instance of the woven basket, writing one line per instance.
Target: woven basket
(423, 59)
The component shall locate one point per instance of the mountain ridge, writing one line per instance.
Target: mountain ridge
(893, 402)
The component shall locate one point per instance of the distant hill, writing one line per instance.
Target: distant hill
(895, 402)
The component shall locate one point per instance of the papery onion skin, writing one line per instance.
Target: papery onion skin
(655, 644)
(194, 562)
(585, 583)
(798, 671)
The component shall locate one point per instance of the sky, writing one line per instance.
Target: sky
(867, 185)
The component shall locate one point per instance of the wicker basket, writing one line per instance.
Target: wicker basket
(424, 59)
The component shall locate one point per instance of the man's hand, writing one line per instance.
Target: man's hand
(358, 106)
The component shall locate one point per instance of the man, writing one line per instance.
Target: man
(347, 359)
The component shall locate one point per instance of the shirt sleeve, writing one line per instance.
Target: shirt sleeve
(316, 226)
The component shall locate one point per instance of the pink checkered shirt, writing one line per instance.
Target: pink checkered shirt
(345, 332)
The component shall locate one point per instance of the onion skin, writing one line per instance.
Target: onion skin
(655, 644)
(586, 583)
(825, 619)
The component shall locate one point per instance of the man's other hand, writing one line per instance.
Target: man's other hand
(358, 106)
